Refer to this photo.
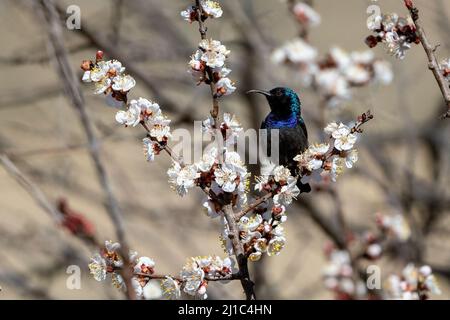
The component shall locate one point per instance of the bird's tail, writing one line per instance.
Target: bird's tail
(304, 187)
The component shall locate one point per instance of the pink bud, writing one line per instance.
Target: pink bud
(99, 55)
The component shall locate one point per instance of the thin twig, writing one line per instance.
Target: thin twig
(238, 249)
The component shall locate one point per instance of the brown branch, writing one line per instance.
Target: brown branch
(430, 50)
(72, 89)
(238, 249)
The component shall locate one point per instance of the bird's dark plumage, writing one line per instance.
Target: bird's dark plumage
(286, 116)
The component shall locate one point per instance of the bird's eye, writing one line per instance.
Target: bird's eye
(279, 93)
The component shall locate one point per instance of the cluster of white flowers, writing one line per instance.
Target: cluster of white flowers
(207, 65)
(195, 274)
(182, 178)
(261, 230)
(229, 129)
(109, 262)
(395, 225)
(396, 33)
(329, 159)
(336, 74)
(222, 172)
(445, 68)
(263, 233)
(281, 183)
(193, 278)
(210, 9)
(109, 79)
(143, 111)
(413, 284)
(339, 276)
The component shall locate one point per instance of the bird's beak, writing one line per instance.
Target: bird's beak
(266, 93)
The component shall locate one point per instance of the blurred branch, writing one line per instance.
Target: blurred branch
(430, 50)
(116, 21)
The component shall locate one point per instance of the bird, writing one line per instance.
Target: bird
(286, 116)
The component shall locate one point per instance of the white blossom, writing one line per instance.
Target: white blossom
(337, 167)
(188, 14)
(344, 139)
(340, 57)
(295, 51)
(226, 178)
(351, 157)
(306, 15)
(276, 244)
(232, 127)
(374, 22)
(383, 72)
(365, 57)
(281, 174)
(397, 225)
(250, 224)
(287, 193)
(152, 290)
(149, 149)
(213, 53)
(211, 8)
(209, 158)
(102, 86)
(225, 86)
(330, 128)
(97, 267)
(144, 265)
(357, 74)
(192, 276)
(171, 289)
(332, 84)
(445, 68)
(123, 83)
(396, 45)
(130, 117)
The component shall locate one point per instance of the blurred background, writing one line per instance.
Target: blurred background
(403, 166)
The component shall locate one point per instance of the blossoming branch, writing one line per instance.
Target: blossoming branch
(398, 34)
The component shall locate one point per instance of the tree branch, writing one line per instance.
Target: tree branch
(430, 50)
(238, 249)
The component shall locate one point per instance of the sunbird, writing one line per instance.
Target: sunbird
(286, 117)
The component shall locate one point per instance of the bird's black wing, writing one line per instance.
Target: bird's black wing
(303, 126)
(267, 142)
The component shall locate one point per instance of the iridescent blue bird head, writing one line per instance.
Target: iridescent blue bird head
(283, 102)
